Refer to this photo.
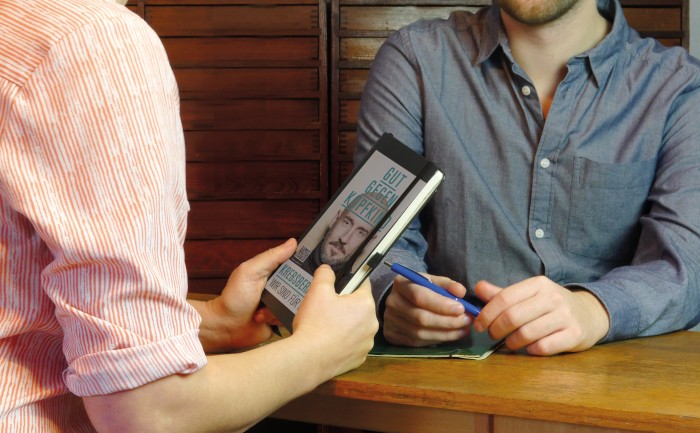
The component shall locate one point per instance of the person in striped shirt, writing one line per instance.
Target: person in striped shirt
(96, 333)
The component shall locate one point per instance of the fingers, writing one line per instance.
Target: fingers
(416, 316)
(264, 315)
(323, 276)
(406, 333)
(428, 300)
(417, 313)
(486, 291)
(450, 285)
(504, 311)
(541, 316)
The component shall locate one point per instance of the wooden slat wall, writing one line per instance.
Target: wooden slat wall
(253, 82)
(359, 27)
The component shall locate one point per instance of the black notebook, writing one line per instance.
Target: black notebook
(357, 227)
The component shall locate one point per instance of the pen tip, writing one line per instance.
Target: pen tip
(388, 263)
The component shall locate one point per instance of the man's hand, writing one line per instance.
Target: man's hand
(416, 316)
(233, 320)
(541, 316)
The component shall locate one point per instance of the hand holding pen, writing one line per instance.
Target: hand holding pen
(419, 279)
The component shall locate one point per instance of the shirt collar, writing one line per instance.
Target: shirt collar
(601, 58)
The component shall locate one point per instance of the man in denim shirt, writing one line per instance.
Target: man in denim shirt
(571, 148)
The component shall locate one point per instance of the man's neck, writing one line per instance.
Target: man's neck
(543, 51)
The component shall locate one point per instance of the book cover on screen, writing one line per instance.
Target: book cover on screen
(357, 227)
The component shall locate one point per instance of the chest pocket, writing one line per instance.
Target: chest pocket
(606, 203)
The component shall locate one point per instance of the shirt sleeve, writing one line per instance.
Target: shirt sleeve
(391, 103)
(659, 291)
(100, 174)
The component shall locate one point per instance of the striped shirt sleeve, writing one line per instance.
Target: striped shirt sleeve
(98, 151)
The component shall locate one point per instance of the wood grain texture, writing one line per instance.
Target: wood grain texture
(250, 219)
(252, 145)
(646, 384)
(217, 258)
(187, 52)
(236, 20)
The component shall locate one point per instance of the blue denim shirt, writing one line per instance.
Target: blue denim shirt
(604, 194)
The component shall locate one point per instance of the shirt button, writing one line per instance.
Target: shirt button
(539, 233)
(544, 163)
(526, 90)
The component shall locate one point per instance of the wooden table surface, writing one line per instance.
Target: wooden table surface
(645, 384)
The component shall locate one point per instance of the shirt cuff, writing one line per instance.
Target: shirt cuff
(123, 369)
(623, 312)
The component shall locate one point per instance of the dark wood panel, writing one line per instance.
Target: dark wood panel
(258, 178)
(218, 258)
(222, 52)
(359, 49)
(654, 19)
(250, 114)
(227, 2)
(352, 80)
(205, 286)
(359, 18)
(250, 219)
(344, 170)
(346, 147)
(203, 83)
(671, 42)
(349, 110)
(257, 144)
(233, 20)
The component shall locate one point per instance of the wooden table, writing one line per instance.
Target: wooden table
(647, 384)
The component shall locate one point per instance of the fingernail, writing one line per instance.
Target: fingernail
(478, 327)
(457, 309)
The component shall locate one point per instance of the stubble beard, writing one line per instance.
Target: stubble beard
(536, 12)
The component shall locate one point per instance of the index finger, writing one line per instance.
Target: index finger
(424, 298)
(498, 300)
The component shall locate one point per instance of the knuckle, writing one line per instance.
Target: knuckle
(422, 318)
(508, 318)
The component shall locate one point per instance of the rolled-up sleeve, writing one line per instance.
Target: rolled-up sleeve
(97, 152)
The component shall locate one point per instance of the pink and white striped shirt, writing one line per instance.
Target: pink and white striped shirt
(93, 212)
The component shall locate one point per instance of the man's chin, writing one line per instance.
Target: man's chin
(333, 261)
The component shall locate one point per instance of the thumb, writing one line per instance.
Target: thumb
(324, 276)
(322, 285)
(486, 291)
(264, 263)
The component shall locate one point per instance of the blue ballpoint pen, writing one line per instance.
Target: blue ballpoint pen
(417, 278)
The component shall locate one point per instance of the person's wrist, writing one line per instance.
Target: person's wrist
(599, 317)
(216, 333)
(318, 353)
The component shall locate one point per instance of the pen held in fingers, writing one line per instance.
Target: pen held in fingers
(417, 278)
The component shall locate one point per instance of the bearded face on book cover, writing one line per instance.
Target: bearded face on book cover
(351, 228)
